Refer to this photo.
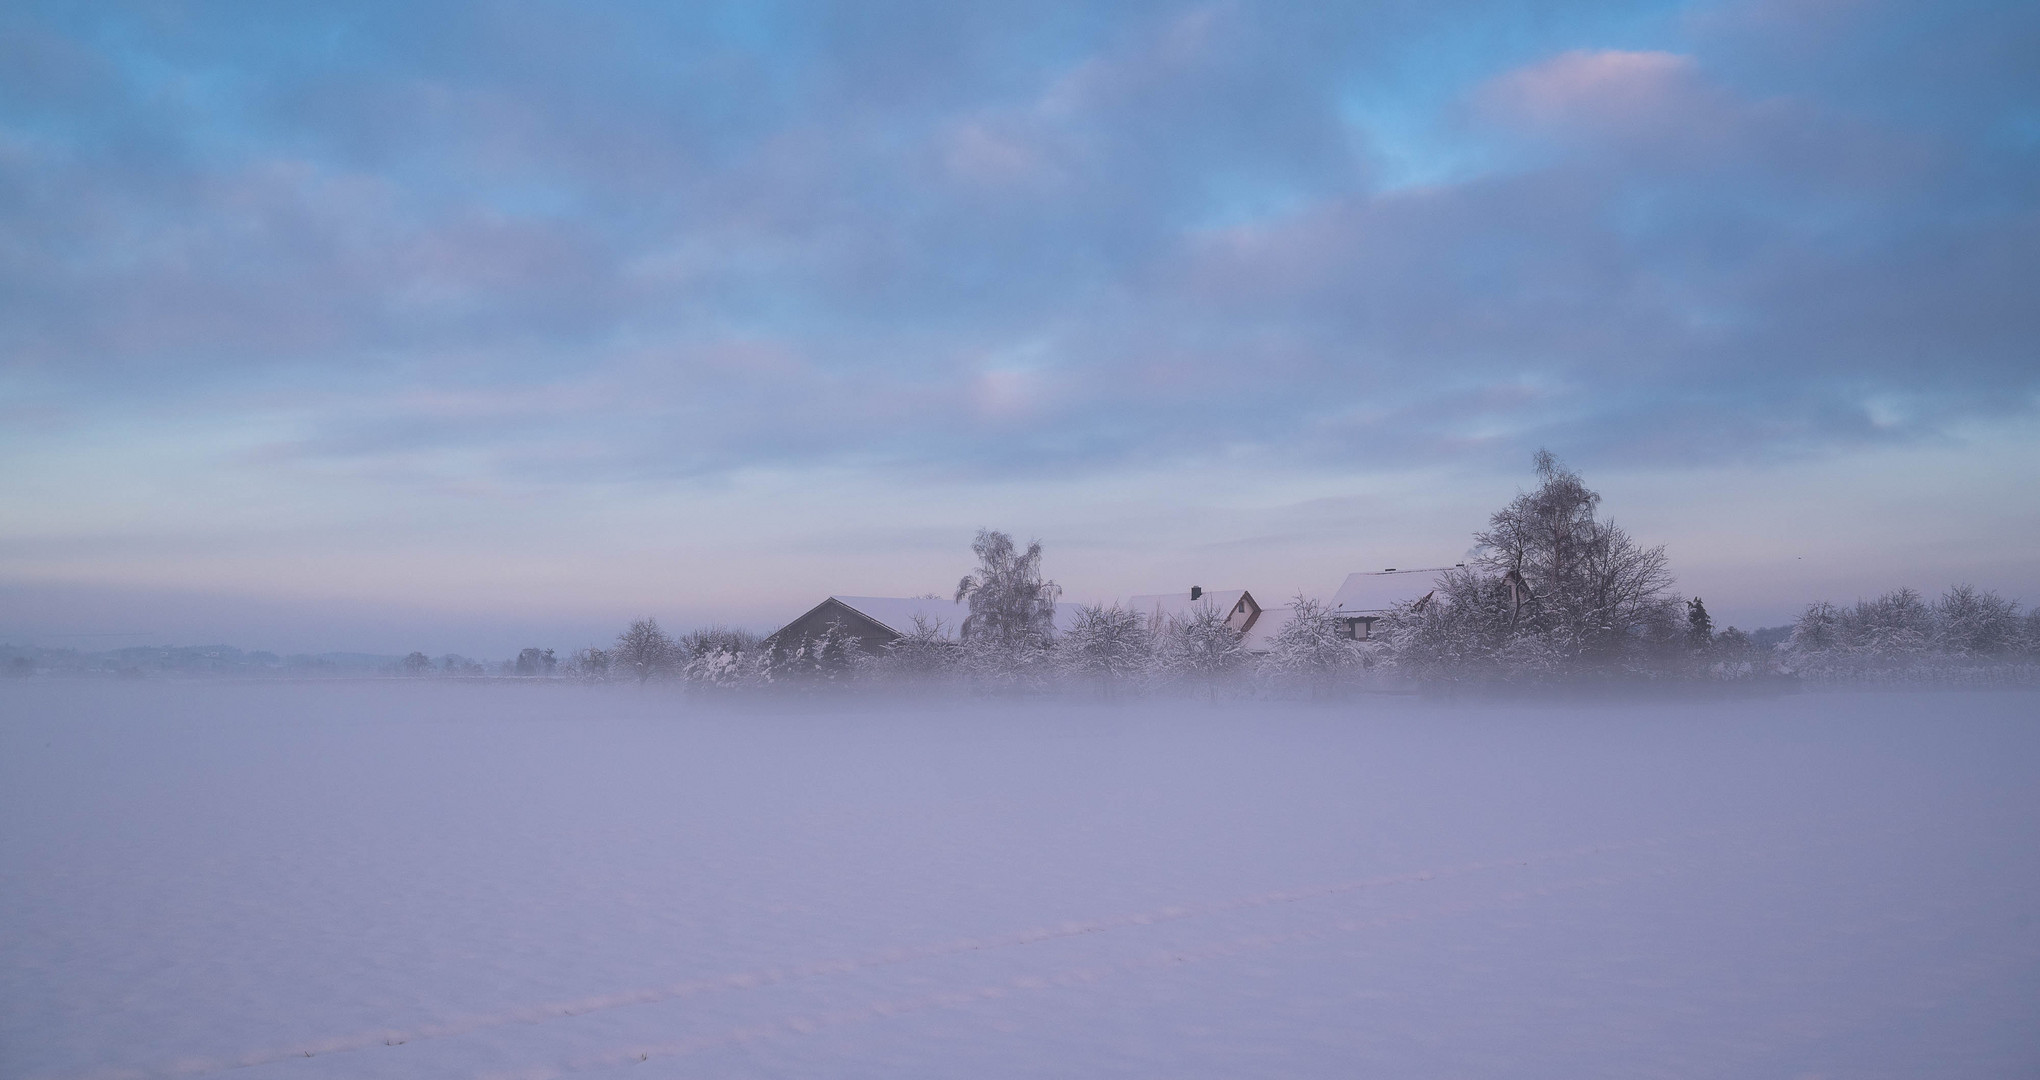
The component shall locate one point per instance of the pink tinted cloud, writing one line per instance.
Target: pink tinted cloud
(1603, 90)
(1661, 113)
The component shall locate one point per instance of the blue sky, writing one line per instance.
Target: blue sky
(465, 326)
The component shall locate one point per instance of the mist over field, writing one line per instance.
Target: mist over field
(959, 539)
(398, 878)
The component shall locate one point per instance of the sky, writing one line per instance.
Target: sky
(464, 326)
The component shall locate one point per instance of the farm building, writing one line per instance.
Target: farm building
(1238, 605)
(1365, 598)
(874, 622)
(877, 621)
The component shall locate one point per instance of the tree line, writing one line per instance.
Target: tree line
(1554, 592)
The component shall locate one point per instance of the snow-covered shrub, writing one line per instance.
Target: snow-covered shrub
(1201, 649)
(1469, 629)
(1311, 650)
(1969, 636)
(831, 656)
(1976, 623)
(1016, 663)
(1897, 622)
(1110, 645)
(723, 657)
(922, 657)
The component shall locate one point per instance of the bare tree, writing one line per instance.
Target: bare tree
(1585, 586)
(643, 650)
(1468, 628)
(1975, 622)
(589, 665)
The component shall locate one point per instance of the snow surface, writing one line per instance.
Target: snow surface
(430, 880)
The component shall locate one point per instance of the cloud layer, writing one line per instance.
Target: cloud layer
(959, 237)
(491, 306)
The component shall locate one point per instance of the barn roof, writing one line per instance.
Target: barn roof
(896, 613)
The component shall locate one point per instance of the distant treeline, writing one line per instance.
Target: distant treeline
(142, 660)
(225, 660)
(1554, 594)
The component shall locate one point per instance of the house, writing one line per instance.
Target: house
(877, 621)
(1259, 638)
(874, 621)
(1365, 598)
(1240, 609)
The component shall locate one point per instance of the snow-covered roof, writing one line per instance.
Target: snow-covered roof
(1066, 615)
(896, 613)
(1376, 592)
(1223, 601)
(1260, 637)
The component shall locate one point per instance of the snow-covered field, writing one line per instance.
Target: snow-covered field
(387, 879)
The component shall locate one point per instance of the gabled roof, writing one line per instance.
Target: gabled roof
(1373, 594)
(1260, 637)
(896, 613)
(1066, 615)
(1223, 601)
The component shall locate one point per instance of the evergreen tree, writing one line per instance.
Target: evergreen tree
(1699, 625)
